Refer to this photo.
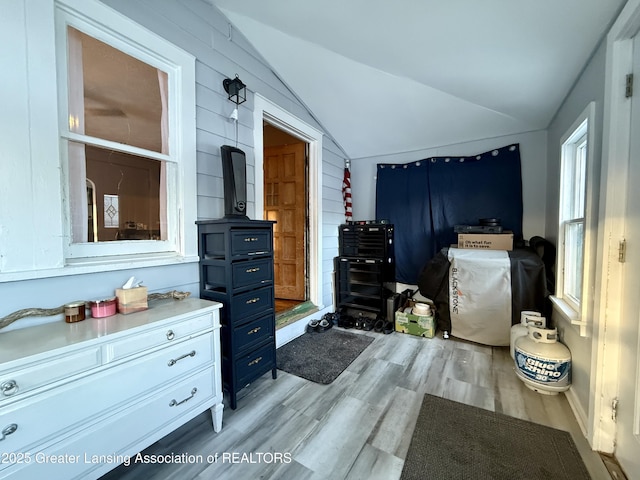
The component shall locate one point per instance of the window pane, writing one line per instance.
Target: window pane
(114, 96)
(573, 252)
(126, 190)
(579, 181)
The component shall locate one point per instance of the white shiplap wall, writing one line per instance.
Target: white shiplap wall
(200, 29)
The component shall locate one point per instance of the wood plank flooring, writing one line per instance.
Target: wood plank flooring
(358, 427)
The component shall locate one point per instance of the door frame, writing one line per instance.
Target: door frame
(266, 111)
(605, 372)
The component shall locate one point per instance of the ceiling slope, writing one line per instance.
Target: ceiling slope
(391, 77)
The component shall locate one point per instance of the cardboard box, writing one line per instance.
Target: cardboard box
(486, 241)
(418, 325)
(131, 299)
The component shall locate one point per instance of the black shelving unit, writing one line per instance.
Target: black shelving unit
(366, 263)
(236, 269)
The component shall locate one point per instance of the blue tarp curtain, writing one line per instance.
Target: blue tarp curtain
(424, 200)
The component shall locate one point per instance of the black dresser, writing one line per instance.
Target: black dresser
(365, 265)
(236, 269)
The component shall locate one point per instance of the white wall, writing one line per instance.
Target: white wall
(533, 153)
(201, 30)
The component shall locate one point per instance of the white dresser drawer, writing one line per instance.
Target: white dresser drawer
(15, 383)
(165, 335)
(53, 413)
(121, 436)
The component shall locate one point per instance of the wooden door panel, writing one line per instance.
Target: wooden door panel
(285, 202)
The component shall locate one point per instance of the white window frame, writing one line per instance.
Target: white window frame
(582, 130)
(110, 27)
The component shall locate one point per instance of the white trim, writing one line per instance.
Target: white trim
(122, 33)
(578, 313)
(605, 374)
(578, 412)
(265, 110)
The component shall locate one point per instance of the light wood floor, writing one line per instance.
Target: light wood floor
(360, 426)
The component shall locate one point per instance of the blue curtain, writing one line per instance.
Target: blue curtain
(424, 200)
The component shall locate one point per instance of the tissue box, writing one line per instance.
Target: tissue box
(131, 299)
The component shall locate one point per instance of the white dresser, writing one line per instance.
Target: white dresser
(76, 399)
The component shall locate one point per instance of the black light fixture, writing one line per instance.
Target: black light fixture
(236, 89)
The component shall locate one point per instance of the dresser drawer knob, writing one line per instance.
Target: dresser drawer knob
(251, 239)
(173, 361)
(254, 362)
(253, 300)
(8, 388)
(8, 430)
(170, 335)
(175, 403)
(255, 330)
(253, 270)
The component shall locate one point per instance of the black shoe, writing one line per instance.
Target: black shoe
(388, 328)
(379, 325)
(324, 325)
(333, 318)
(312, 326)
(346, 321)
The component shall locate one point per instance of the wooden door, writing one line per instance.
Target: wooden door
(285, 202)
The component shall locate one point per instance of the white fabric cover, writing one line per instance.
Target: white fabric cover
(480, 295)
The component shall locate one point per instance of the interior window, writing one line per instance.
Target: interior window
(572, 215)
(118, 119)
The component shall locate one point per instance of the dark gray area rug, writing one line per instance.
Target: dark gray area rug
(321, 356)
(456, 441)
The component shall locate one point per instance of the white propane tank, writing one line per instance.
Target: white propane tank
(542, 363)
(527, 317)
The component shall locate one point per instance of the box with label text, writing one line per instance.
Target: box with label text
(486, 241)
(418, 325)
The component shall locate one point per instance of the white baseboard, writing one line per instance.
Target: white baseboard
(299, 327)
(578, 411)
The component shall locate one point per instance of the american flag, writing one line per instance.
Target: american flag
(346, 195)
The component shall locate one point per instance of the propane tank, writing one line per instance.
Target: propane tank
(542, 363)
(527, 317)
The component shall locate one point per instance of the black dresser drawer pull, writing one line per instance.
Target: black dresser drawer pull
(253, 300)
(10, 387)
(253, 270)
(175, 403)
(8, 430)
(251, 239)
(254, 362)
(173, 361)
(255, 330)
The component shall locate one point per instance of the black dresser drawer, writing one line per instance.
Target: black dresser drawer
(236, 269)
(249, 305)
(255, 364)
(253, 273)
(249, 335)
(251, 242)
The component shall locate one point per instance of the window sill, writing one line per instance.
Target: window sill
(100, 264)
(569, 314)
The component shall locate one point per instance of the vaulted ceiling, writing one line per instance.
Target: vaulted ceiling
(388, 77)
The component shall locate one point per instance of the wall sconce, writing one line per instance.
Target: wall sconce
(236, 89)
